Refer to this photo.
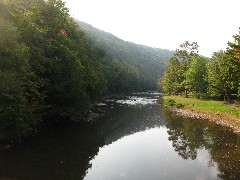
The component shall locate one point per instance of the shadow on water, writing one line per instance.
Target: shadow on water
(69, 152)
(65, 152)
(60, 154)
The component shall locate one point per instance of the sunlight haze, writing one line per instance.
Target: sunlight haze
(163, 24)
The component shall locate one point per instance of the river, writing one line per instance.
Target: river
(135, 139)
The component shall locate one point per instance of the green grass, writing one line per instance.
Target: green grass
(214, 106)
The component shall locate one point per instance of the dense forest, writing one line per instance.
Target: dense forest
(149, 62)
(51, 69)
(217, 77)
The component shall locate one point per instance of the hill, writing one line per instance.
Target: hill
(150, 62)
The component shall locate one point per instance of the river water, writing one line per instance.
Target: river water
(136, 139)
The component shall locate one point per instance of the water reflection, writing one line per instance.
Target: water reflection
(133, 141)
(63, 153)
(147, 155)
(223, 146)
(124, 121)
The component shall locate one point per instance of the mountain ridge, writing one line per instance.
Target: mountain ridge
(150, 61)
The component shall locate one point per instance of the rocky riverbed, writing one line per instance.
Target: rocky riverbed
(219, 118)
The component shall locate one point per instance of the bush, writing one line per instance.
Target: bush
(170, 102)
(179, 105)
(160, 100)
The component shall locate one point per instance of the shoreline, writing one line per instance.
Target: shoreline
(218, 118)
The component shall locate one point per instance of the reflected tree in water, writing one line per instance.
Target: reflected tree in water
(186, 137)
(225, 151)
(189, 135)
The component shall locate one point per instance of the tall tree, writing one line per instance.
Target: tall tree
(57, 48)
(233, 55)
(196, 75)
(220, 76)
(20, 100)
(175, 75)
(171, 82)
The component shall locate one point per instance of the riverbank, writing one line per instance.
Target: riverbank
(216, 111)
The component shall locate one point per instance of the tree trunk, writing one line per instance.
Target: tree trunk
(226, 95)
(186, 93)
(198, 95)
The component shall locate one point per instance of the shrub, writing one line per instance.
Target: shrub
(170, 102)
(160, 100)
(179, 105)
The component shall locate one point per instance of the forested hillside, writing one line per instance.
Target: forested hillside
(149, 62)
(51, 69)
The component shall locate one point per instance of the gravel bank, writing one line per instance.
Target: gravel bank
(219, 118)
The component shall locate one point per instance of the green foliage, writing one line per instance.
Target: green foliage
(196, 75)
(216, 107)
(146, 64)
(160, 100)
(174, 79)
(179, 105)
(56, 57)
(42, 75)
(20, 100)
(50, 70)
(217, 77)
(222, 76)
(170, 102)
(233, 55)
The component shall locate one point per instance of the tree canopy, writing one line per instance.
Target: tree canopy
(50, 70)
(216, 77)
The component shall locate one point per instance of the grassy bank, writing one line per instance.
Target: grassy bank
(220, 112)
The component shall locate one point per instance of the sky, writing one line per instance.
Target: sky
(163, 23)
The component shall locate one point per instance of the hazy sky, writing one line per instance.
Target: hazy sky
(163, 23)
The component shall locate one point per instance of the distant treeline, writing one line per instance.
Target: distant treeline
(49, 70)
(217, 77)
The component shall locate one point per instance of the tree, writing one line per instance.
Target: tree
(221, 76)
(174, 78)
(196, 75)
(20, 101)
(233, 55)
(57, 49)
